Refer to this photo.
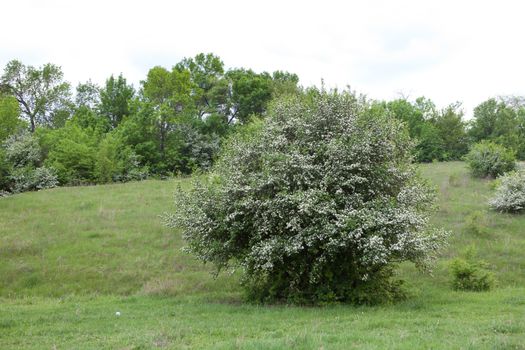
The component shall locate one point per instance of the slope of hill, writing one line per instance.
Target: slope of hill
(72, 257)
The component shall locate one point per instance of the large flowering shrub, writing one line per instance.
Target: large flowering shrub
(314, 204)
(510, 193)
(488, 159)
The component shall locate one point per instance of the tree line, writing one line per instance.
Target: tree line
(177, 119)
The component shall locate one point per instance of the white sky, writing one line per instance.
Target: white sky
(446, 50)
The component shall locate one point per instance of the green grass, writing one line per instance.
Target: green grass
(71, 257)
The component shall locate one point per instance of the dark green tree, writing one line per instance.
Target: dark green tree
(440, 134)
(403, 110)
(451, 131)
(429, 145)
(250, 93)
(501, 121)
(115, 99)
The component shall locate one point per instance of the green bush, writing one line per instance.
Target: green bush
(488, 159)
(314, 204)
(475, 223)
(107, 165)
(471, 274)
(117, 162)
(71, 150)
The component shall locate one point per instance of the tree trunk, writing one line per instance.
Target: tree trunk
(32, 120)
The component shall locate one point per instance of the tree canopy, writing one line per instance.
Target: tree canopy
(43, 95)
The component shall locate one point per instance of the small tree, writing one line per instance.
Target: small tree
(488, 159)
(315, 204)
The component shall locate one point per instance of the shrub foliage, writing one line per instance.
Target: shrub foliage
(20, 165)
(29, 179)
(510, 193)
(315, 204)
(471, 274)
(488, 159)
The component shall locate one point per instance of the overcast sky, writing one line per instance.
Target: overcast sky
(446, 50)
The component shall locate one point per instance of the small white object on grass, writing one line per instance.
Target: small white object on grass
(117, 313)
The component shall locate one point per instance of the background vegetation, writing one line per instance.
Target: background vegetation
(177, 119)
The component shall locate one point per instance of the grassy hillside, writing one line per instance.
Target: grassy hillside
(104, 240)
(72, 257)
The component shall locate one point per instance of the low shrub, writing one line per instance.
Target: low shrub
(471, 274)
(510, 193)
(475, 223)
(488, 159)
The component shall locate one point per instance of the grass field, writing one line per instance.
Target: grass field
(70, 258)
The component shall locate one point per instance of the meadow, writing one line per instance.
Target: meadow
(71, 257)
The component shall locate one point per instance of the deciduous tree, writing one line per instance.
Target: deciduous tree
(42, 93)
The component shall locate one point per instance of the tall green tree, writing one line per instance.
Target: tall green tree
(250, 93)
(487, 116)
(115, 99)
(209, 86)
(452, 132)
(233, 95)
(43, 95)
(87, 95)
(440, 134)
(169, 93)
(501, 121)
(409, 113)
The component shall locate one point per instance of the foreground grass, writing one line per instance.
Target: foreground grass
(436, 319)
(72, 257)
